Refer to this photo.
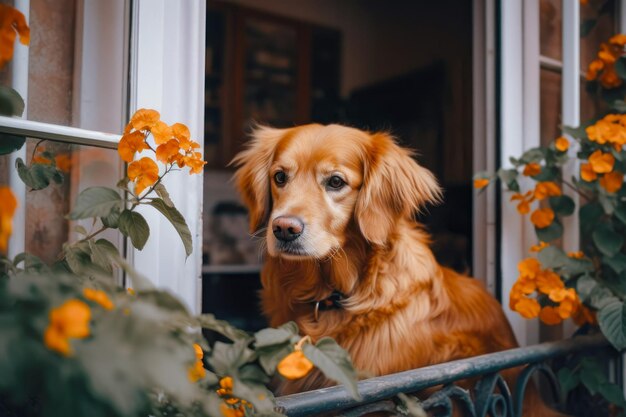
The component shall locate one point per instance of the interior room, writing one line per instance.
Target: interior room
(405, 69)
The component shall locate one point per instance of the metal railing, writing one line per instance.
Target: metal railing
(490, 396)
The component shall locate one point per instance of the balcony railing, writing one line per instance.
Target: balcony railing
(490, 396)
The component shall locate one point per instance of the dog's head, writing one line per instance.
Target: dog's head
(308, 183)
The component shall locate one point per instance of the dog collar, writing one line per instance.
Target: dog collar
(331, 303)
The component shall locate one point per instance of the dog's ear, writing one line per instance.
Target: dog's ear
(394, 186)
(252, 175)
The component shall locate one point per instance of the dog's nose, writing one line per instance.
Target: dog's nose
(287, 228)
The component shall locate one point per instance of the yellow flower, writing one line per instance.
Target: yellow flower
(532, 169)
(12, 23)
(231, 412)
(131, 143)
(198, 351)
(197, 371)
(295, 365)
(528, 308)
(8, 204)
(144, 172)
(542, 217)
(481, 183)
(70, 320)
(561, 144)
(587, 173)
(99, 297)
(538, 248)
(612, 181)
(550, 315)
(546, 189)
(601, 163)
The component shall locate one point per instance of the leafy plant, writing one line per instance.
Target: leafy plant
(588, 285)
(73, 342)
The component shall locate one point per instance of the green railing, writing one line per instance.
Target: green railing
(490, 395)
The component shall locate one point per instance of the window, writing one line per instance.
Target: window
(66, 86)
(542, 66)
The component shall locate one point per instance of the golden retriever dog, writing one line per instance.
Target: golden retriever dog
(346, 259)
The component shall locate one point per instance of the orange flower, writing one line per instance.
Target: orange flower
(619, 40)
(601, 163)
(99, 297)
(524, 286)
(550, 315)
(576, 255)
(197, 371)
(168, 152)
(8, 204)
(546, 189)
(587, 173)
(561, 144)
(131, 143)
(584, 315)
(542, 217)
(529, 268)
(295, 365)
(197, 349)
(532, 169)
(609, 78)
(538, 248)
(12, 23)
(525, 199)
(144, 172)
(144, 119)
(70, 320)
(548, 281)
(161, 132)
(528, 308)
(63, 161)
(481, 183)
(612, 181)
(38, 159)
(194, 162)
(595, 67)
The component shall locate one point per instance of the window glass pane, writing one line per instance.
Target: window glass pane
(597, 27)
(550, 30)
(80, 167)
(550, 102)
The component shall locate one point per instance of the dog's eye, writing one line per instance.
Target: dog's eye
(280, 178)
(336, 182)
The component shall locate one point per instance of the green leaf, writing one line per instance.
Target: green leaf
(100, 256)
(617, 262)
(589, 215)
(612, 320)
(550, 233)
(619, 105)
(607, 240)
(601, 296)
(163, 299)
(227, 358)
(591, 375)
(269, 336)
(113, 219)
(568, 380)
(96, 202)
(612, 393)
(208, 321)
(533, 155)
(562, 205)
(620, 213)
(257, 394)
(270, 356)
(10, 143)
(547, 174)
(575, 132)
(620, 68)
(585, 286)
(134, 226)
(334, 362)
(11, 103)
(587, 26)
(38, 176)
(177, 220)
(165, 196)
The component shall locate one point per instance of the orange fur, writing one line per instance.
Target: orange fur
(403, 310)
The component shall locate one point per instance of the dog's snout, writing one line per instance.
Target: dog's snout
(287, 228)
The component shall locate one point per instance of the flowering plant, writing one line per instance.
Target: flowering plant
(73, 342)
(588, 285)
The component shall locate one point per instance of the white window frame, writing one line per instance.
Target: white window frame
(166, 57)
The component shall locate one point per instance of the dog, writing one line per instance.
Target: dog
(345, 258)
